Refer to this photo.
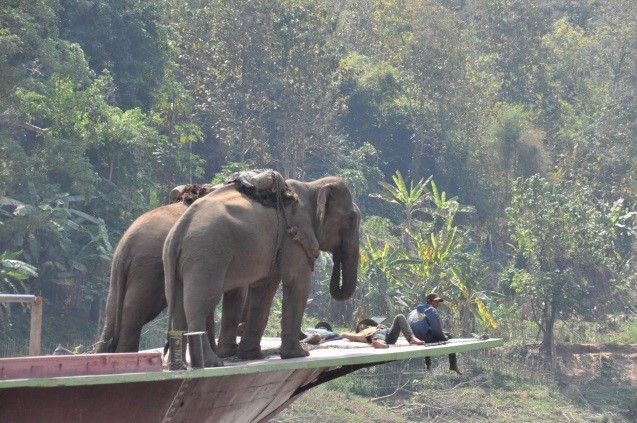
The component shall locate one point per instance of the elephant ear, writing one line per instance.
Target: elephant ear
(323, 193)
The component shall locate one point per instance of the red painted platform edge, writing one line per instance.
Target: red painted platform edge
(78, 365)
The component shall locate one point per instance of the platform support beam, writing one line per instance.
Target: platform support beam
(37, 305)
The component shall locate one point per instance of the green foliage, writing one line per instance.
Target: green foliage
(69, 249)
(395, 276)
(359, 167)
(124, 37)
(14, 272)
(105, 106)
(519, 147)
(411, 200)
(565, 256)
(375, 109)
(384, 280)
(624, 333)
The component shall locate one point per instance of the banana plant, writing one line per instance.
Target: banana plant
(470, 300)
(385, 275)
(410, 199)
(13, 273)
(67, 246)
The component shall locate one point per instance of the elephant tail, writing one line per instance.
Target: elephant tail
(103, 344)
(170, 257)
(114, 306)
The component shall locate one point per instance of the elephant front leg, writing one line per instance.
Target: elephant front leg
(295, 293)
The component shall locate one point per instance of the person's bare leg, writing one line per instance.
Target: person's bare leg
(453, 363)
(377, 343)
(400, 323)
(415, 341)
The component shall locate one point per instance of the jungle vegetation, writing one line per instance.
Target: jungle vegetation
(491, 145)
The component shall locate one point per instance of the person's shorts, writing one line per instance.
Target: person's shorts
(380, 335)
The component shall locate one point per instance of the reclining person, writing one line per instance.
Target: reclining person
(322, 332)
(379, 335)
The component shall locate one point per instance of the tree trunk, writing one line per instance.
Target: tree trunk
(548, 341)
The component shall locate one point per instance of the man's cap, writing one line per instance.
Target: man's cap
(434, 297)
(323, 325)
(374, 321)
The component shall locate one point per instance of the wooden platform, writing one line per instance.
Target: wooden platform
(241, 391)
(55, 366)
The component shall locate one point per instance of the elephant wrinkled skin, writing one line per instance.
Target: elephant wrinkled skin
(226, 242)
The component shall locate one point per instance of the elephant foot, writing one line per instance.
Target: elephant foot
(214, 363)
(227, 350)
(209, 359)
(294, 352)
(251, 354)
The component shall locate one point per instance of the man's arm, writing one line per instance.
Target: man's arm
(435, 324)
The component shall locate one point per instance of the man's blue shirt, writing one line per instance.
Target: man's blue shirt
(426, 324)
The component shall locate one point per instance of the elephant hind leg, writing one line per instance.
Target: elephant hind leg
(233, 306)
(259, 301)
(139, 309)
(199, 300)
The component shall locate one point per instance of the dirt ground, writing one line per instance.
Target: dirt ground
(589, 361)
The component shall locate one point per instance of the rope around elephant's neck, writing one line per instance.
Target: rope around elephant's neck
(282, 224)
(310, 248)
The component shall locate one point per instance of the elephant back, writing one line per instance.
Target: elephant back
(265, 186)
(188, 194)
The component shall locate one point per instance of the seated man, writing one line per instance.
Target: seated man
(379, 335)
(425, 323)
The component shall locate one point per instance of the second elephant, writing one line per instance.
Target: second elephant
(136, 293)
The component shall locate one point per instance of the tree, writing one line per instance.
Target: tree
(124, 37)
(433, 255)
(518, 144)
(512, 31)
(261, 74)
(13, 273)
(374, 108)
(68, 249)
(385, 275)
(565, 251)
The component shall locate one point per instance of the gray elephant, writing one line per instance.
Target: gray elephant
(136, 293)
(227, 242)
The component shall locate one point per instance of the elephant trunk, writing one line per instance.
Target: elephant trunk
(347, 259)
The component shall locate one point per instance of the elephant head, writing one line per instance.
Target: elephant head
(337, 231)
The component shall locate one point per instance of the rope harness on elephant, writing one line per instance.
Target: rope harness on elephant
(283, 227)
(282, 224)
